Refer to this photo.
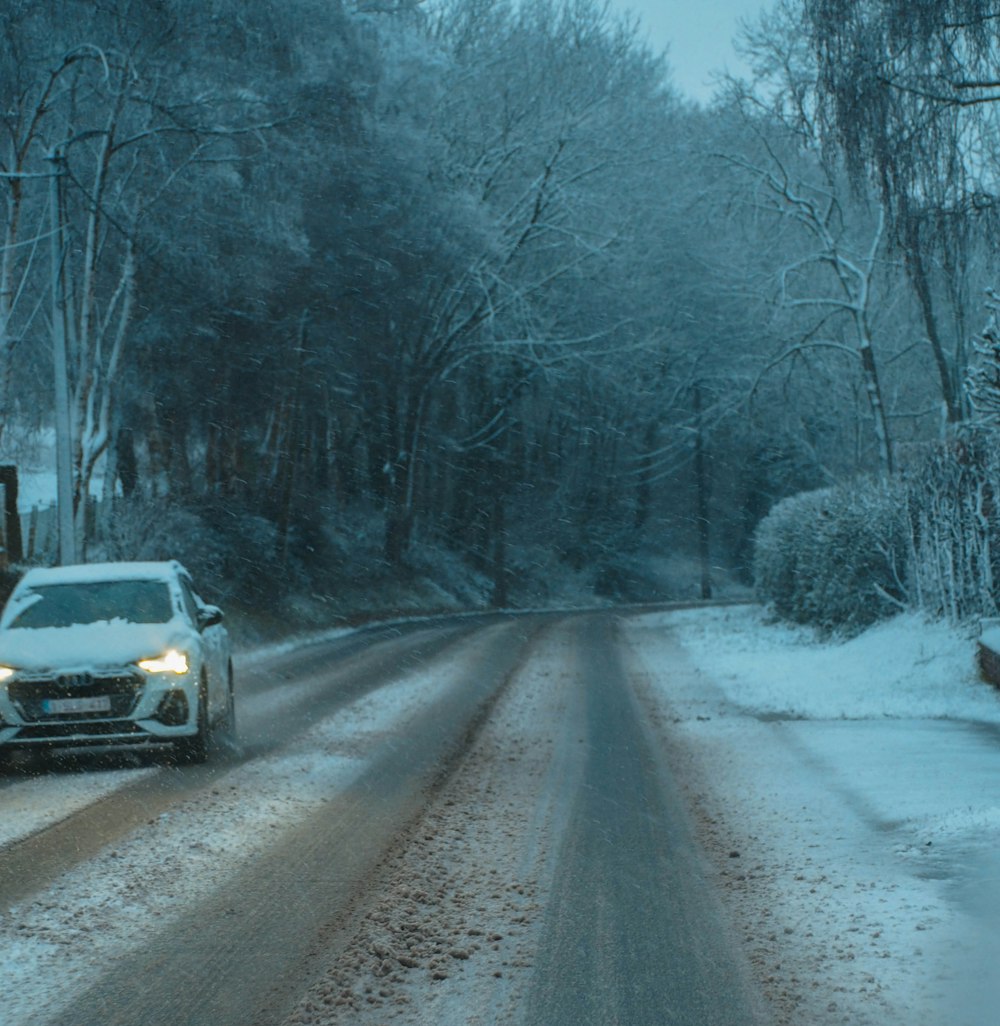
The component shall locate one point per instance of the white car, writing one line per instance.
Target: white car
(113, 654)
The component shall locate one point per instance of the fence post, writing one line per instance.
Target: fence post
(11, 521)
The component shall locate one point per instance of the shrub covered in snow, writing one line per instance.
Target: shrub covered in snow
(833, 558)
(236, 550)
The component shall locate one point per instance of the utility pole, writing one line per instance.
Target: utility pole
(63, 422)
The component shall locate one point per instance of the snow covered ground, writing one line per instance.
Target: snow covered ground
(850, 794)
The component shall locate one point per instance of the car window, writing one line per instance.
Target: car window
(62, 605)
(188, 600)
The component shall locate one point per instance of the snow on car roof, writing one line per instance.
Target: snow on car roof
(86, 572)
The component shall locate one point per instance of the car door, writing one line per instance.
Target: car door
(214, 652)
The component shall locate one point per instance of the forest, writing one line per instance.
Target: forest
(463, 297)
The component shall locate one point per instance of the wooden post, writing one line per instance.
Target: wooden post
(11, 521)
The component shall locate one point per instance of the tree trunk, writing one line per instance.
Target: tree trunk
(644, 486)
(398, 521)
(873, 388)
(404, 433)
(918, 277)
(500, 596)
(292, 445)
(702, 489)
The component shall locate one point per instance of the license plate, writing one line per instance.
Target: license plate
(51, 706)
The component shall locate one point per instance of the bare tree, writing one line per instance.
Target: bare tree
(909, 92)
(99, 134)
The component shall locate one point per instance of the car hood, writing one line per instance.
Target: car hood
(91, 646)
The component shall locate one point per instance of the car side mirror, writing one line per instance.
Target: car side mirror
(209, 616)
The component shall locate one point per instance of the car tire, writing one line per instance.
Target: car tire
(189, 751)
(226, 728)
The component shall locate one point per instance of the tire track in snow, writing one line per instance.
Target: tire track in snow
(50, 823)
(234, 949)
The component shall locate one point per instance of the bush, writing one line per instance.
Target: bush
(833, 558)
(233, 555)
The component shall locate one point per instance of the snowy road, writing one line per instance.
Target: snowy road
(686, 817)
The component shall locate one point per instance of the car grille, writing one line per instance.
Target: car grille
(122, 688)
(95, 732)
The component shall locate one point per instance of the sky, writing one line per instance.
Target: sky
(698, 35)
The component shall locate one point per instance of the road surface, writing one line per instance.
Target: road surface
(466, 821)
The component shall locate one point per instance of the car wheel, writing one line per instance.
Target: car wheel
(194, 749)
(227, 724)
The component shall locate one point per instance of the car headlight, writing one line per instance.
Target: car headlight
(171, 661)
(6, 671)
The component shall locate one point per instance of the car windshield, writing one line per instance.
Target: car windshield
(62, 605)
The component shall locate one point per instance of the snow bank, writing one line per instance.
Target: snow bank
(906, 668)
(847, 793)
